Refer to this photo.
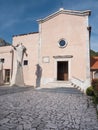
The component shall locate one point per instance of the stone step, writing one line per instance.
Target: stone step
(58, 84)
(65, 90)
(60, 87)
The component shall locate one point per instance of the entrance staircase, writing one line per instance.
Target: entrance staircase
(60, 87)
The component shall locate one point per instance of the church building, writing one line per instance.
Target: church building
(59, 51)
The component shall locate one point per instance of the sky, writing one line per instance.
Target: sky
(20, 16)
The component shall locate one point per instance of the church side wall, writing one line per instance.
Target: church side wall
(30, 42)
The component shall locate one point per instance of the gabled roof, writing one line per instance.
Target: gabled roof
(94, 63)
(62, 11)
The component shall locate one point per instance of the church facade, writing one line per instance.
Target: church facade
(59, 51)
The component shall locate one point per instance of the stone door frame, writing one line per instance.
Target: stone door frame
(69, 67)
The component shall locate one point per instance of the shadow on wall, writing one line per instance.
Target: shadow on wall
(38, 75)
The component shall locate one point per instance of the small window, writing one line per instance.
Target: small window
(25, 62)
(2, 60)
(62, 43)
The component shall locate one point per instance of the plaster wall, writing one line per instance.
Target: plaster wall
(73, 29)
(30, 42)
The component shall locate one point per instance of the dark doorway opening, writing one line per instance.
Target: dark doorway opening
(7, 75)
(62, 70)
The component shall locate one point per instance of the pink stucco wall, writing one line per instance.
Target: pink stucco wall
(74, 30)
(30, 42)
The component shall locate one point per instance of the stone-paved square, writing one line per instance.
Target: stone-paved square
(47, 109)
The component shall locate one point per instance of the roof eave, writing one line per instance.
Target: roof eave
(94, 69)
(25, 34)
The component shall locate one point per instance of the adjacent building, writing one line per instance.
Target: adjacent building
(94, 67)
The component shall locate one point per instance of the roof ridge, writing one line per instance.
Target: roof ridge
(63, 11)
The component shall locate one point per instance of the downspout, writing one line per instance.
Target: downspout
(39, 44)
(88, 76)
(39, 41)
(12, 52)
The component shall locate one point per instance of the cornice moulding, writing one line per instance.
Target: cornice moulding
(69, 12)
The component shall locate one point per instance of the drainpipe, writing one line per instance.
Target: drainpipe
(12, 52)
(39, 44)
(88, 57)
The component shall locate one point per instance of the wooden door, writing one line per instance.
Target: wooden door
(62, 70)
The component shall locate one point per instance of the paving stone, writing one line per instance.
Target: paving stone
(5, 120)
(33, 129)
(3, 128)
(76, 126)
(19, 127)
(51, 125)
(66, 123)
(95, 128)
(27, 126)
(77, 121)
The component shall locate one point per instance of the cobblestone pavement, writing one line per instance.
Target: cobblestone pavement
(10, 90)
(47, 109)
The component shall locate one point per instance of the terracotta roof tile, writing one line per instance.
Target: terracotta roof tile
(94, 63)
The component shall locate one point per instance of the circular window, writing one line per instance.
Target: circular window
(62, 43)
